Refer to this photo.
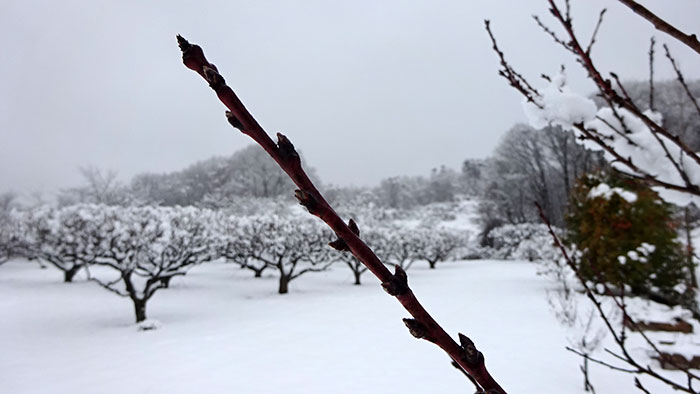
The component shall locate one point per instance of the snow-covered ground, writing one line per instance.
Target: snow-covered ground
(226, 332)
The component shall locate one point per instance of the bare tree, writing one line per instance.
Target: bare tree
(100, 187)
(256, 175)
(530, 165)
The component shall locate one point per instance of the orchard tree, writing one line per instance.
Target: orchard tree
(11, 233)
(436, 244)
(356, 267)
(394, 243)
(8, 240)
(292, 246)
(239, 240)
(348, 259)
(67, 238)
(145, 247)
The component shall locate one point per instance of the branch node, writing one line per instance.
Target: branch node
(471, 355)
(211, 74)
(234, 121)
(287, 150)
(307, 201)
(339, 244)
(398, 284)
(416, 328)
(353, 227)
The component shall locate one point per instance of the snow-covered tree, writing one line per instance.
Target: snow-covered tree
(436, 244)
(145, 247)
(99, 187)
(293, 246)
(9, 239)
(395, 244)
(67, 238)
(356, 267)
(10, 233)
(239, 240)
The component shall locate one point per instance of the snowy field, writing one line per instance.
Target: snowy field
(225, 332)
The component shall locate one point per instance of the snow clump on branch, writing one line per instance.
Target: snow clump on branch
(653, 154)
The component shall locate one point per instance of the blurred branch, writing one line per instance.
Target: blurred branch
(620, 339)
(690, 40)
(681, 79)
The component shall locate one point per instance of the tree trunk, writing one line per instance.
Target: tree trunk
(432, 264)
(586, 382)
(284, 284)
(140, 309)
(357, 276)
(258, 273)
(166, 282)
(68, 275)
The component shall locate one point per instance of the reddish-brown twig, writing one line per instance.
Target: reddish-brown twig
(691, 40)
(422, 325)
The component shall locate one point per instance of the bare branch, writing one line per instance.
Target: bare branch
(620, 340)
(516, 80)
(638, 385)
(552, 34)
(110, 286)
(595, 30)
(608, 92)
(285, 155)
(479, 390)
(613, 367)
(681, 79)
(690, 40)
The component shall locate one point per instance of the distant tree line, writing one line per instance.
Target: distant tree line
(213, 182)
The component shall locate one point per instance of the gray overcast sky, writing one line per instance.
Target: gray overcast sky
(365, 89)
